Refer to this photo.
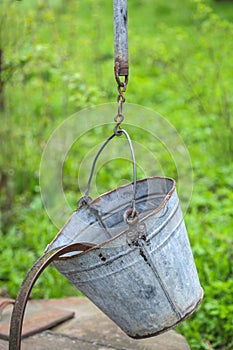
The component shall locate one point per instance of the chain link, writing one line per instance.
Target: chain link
(119, 118)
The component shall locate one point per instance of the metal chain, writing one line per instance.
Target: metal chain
(119, 118)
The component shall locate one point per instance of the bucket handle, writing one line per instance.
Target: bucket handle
(27, 285)
(131, 215)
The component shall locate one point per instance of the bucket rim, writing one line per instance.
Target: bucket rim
(97, 199)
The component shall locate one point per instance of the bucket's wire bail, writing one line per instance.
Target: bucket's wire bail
(131, 214)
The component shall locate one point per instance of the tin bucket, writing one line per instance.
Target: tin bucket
(140, 273)
(137, 266)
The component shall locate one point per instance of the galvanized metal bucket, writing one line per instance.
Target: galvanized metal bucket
(137, 266)
(140, 271)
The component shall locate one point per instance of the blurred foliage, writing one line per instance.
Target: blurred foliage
(56, 59)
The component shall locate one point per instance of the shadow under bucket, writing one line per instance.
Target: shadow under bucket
(142, 275)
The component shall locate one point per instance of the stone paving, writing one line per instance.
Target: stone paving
(90, 329)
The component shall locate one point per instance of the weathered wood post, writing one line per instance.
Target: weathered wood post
(121, 37)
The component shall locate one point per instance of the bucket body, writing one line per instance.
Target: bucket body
(143, 277)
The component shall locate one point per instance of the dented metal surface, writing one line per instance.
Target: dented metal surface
(143, 277)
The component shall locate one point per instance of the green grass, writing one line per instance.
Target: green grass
(59, 59)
